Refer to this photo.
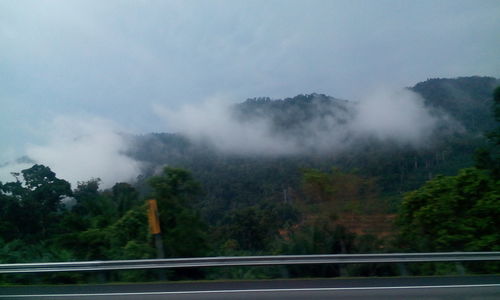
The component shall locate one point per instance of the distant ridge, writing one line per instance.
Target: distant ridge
(467, 99)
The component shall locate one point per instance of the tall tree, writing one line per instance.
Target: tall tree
(182, 230)
(125, 196)
(96, 207)
(489, 158)
(34, 201)
(339, 192)
(454, 213)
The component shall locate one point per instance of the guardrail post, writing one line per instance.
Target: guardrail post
(403, 270)
(154, 228)
(102, 276)
(284, 272)
(460, 268)
(343, 271)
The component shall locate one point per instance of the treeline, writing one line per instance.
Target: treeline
(458, 213)
(42, 219)
(315, 211)
(232, 180)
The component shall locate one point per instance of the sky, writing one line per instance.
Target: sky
(70, 69)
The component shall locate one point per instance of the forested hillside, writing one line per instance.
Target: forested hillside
(343, 195)
(233, 180)
(467, 99)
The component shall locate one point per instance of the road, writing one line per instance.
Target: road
(463, 287)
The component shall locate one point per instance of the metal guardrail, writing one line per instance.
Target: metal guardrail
(248, 261)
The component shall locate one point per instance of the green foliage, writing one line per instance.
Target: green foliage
(174, 185)
(31, 207)
(19, 250)
(496, 103)
(255, 228)
(183, 232)
(232, 181)
(455, 213)
(124, 196)
(129, 237)
(98, 209)
(488, 158)
(339, 192)
(466, 99)
(321, 236)
(270, 204)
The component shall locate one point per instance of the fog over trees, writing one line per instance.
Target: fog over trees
(416, 170)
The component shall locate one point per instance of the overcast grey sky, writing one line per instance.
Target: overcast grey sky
(116, 60)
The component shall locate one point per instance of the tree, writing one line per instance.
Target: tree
(318, 236)
(124, 196)
(86, 195)
(97, 208)
(489, 158)
(340, 192)
(182, 230)
(33, 203)
(454, 213)
(10, 213)
(254, 228)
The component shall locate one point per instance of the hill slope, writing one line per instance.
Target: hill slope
(233, 180)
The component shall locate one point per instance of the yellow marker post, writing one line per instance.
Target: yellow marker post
(153, 217)
(154, 227)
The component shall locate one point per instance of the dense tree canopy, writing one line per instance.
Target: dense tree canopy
(182, 230)
(457, 213)
(32, 204)
(454, 213)
(266, 205)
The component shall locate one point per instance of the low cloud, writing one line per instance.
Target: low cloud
(79, 149)
(396, 115)
(213, 122)
(386, 115)
(6, 170)
(82, 148)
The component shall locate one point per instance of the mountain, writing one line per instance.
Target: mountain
(232, 180)
(293, 116)
(467, 99)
